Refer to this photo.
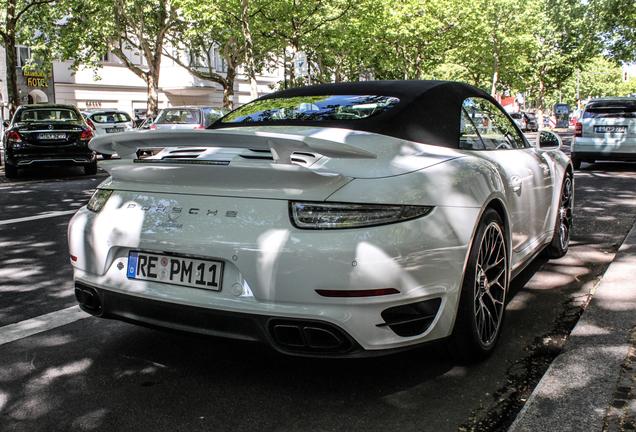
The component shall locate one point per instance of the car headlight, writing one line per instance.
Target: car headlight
(98, 200)
(309, 215)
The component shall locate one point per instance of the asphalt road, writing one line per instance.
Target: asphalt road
(99, 375)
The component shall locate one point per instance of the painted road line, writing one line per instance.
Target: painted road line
(40, 216)
(30, 327)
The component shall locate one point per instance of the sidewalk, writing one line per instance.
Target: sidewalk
(591, 385)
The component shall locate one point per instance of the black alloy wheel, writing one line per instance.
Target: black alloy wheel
(559, 245)
(483, 294)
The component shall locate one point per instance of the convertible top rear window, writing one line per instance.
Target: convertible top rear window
(311, 108)
(624, 109)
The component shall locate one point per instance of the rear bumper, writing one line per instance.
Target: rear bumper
(22, 160)
(591, 156)
(618, 149)
(290, 336)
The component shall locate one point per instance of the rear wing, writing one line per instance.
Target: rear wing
(282, 145)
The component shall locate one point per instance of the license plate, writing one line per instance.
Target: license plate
(175, 270)
(611, 129)
(114, 130)
(52, 136)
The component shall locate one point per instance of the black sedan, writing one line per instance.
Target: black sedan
(47, 134)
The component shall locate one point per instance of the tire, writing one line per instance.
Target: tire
(10, 171)
(483, 294)
(106, 156)
(559, 245)
(576, 163)
(91, 168)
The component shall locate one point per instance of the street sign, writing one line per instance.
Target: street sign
(301, 68)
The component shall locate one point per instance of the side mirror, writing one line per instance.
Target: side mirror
(547, 140)
(5, 123)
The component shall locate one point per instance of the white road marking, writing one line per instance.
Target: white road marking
(30, 327)
(40, 216)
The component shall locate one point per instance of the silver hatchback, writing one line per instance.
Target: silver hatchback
(606, 131)
(188, 117)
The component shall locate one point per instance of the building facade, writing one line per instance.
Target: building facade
(114, 86)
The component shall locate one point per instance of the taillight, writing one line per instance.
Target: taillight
(86, 135)
(199, 127)
(90, 123)
(578, 130)
(13, 137)
(153, 127)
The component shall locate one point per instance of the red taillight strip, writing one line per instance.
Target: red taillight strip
(73, 258)
(14, 137)
(87, 135)
(357, 293)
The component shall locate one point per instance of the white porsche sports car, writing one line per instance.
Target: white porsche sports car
(332, 220)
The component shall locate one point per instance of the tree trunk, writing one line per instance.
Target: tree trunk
(495, 75)
(153, 85)
(153, 94)
(12, 82)
(249, 48)
(228, 89)
(11, 59)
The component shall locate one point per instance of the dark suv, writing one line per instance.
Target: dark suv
(47, 134)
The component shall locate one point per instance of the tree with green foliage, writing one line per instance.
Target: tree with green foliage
(123, 27)
(565, 38)
(617, 19)
(599, 77)
(300, 25)
(223, 26)
(31, 23)
(493, 38)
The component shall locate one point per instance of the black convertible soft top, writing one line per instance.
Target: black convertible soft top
(428, 111)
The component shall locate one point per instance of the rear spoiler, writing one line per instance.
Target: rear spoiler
(281, 145)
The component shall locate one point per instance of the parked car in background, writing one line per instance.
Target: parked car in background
(345, 219)
(605, 131)
(188, 117)
(47, 134)
(526, 121)
(108, 121)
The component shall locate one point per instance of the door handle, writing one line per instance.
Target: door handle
(515, 183)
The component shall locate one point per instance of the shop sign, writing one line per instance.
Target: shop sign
(36, 79)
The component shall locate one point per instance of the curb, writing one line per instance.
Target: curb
(577, 391)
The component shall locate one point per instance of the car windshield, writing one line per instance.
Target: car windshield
(179, 116)
(111, 117)
(311, 108)
(46, 114)
(530, 116)
(609, 109)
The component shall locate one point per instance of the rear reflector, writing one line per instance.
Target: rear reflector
(73, 258)
(358, 293)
